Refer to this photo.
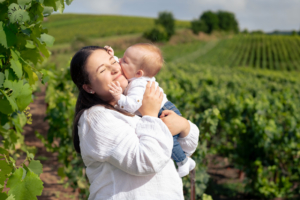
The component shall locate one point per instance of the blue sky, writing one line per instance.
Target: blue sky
(266, 15)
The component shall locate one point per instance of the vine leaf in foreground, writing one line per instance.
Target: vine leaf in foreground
(17, 14)
(5, 169)
(7, 37)
(24, 185)
(36, 167)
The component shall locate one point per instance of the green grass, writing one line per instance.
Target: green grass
(65, 27)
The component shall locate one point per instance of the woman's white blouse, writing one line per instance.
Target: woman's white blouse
(130, 157)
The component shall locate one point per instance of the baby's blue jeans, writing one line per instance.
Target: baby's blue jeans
(178, 154)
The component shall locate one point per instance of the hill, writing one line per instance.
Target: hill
(65, 27)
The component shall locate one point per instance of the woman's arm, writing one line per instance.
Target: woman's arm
(189, 132)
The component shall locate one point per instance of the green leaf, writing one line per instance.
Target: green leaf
(61, 172)
(32, 56)
(17, 67)
(3, 12)
(19, 121)
(69, 2)
(30, 155)
(42, 48)
(7, 37)
(47, 39)
(8, 105)
(30, 44)
(31, 75)
(15, 63)
(3, 151)
(3, 196)
(4, 122)
(24, 2)
(36, 13)
(11, 197)
(25, 97)
(5, 169)
(17, 14)
(50, 3)
(10, 74)
(45, 76)
(15, 86)
(47, 11)
(1, 78)
(24, 185)
(60, 5)
(36, 167)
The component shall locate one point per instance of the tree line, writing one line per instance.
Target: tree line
(208, 22)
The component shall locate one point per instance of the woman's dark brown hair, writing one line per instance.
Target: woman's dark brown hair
(85, 100)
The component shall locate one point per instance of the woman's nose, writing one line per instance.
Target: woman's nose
(115, 69)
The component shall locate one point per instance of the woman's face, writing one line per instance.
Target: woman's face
(102, 70)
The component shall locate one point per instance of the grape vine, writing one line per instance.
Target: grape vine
(23, 46)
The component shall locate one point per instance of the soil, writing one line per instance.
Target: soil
(53, 188)
(218, 167)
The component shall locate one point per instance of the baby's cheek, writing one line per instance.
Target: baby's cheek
(124, 83)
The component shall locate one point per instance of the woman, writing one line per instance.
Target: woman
(126, 157)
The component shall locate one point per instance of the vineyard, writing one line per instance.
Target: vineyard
(258, 51)
(242, 91)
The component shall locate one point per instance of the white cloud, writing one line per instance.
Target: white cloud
(105, 7)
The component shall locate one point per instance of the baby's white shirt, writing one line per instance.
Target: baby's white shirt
(132, 97)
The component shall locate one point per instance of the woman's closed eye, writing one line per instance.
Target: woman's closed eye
(102, 70)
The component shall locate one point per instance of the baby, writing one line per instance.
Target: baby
(140, 63)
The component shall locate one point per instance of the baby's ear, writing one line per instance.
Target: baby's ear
(139, 73)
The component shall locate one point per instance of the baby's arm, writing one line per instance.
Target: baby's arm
(133, 100)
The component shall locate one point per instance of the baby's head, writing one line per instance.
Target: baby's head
(141, 59)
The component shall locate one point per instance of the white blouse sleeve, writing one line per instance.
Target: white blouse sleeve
(133, 100)
(190, 142)
(141, 151)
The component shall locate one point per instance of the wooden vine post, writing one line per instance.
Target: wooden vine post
(193, 180)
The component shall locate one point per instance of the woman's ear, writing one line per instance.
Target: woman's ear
(88, 88)
(139, 73)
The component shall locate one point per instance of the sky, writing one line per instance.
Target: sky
(266, 15)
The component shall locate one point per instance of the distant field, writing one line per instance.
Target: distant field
(65, 27)
(259, 51)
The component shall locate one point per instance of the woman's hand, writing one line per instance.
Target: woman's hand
(175, 123)
(151, 101)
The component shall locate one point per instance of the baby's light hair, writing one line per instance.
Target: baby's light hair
(152, 61)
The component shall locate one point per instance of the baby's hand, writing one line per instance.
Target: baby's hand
(115, 90)
(109, 50)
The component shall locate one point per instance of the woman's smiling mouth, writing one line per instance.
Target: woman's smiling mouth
(117, 77)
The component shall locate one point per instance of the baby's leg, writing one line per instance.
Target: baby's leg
(178, 154)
